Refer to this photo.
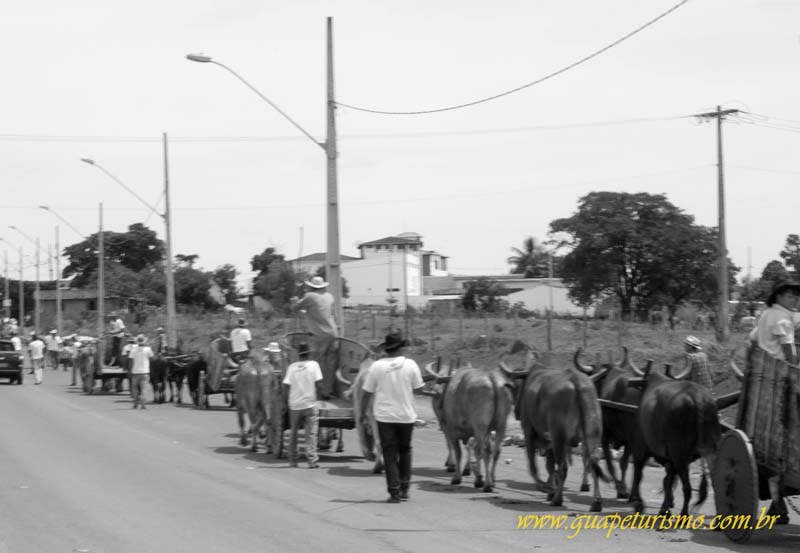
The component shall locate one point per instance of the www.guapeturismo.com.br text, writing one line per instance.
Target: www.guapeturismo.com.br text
(636, 521)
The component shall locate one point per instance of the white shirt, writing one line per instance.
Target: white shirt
(775, 328)
(141, 359)
(393, 380)
(17, 343)
(300, 377)
(117, 327)
(37, 349)
(239, 339)
(126, 349)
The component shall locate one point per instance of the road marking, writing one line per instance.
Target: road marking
(23, 487)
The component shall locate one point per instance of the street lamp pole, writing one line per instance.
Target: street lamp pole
(58, 283)
(332, 257)
(172, 333)
(37, 300)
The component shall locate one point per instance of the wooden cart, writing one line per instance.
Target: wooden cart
(765, 441)
(337, 412)
(93, 367)
(220, 378)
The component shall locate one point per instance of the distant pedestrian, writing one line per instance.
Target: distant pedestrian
(15, 340)
(241, 341)
(36, 350)
(301, 383)
(140, 369)
(697, 360)
(161, 342)
(116, 327)
(52, 347)
(392, 381)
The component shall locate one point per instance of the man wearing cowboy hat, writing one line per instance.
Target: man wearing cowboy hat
(300, 385)
(775, 330)
(318, 304)
(698, 363)
(53, 346)
(393, 381)
(140, 369)
(241, 341)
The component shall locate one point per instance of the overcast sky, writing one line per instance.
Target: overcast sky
(104, 79)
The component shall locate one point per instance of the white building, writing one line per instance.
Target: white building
(392, 267)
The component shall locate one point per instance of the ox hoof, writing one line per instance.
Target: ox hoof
(557, 502)
(585, 487)
(243, 441)
(550, 496)
(479, 482)
(622, 495)
(451, 468)
(467, 471)
(377, 469)
(339, 448)
(487, 488)
(638, 505)
(455, 481)
(596, 506)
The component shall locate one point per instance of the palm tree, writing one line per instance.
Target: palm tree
(530, 261)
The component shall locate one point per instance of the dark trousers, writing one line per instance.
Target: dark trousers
(396, 446)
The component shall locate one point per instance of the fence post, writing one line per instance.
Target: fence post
(461, 328)
(373, 325)
(433, 335)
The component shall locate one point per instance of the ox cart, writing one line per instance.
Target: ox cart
(90, 358)
(763, 444)
(335, 413)
(219, 376)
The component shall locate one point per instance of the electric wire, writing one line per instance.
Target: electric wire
(528, 85)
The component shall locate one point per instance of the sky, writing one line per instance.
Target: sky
(105, 79)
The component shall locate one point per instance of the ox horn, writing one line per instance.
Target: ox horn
(588, 369)
(431, 375)
(342, 379)
(636, 369)
(736, 370)
(685, 371)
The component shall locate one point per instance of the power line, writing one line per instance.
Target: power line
(357, 136)
(528, 85)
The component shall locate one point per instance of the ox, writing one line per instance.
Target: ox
(620, 428)
(559, 409)
(257, 388)
(680, 424)
(158, 378)
(366, 428)
(473, 407)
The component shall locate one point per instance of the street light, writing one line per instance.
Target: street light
(332, 258)
(37, 305)
(172, 335)
(60, 218)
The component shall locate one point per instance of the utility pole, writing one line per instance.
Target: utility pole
(101, 290)
(21, 295)
(6, 292)
(550, 306)
(37, 303)
(58, 284)
(49, 262)
(172, 331)
(722, 308)
(332, 258)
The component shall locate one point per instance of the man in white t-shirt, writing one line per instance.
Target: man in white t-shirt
(36, 351)
(301, 386)
(775, 331)
(393, 381)
(241, 340)
(140, 369)
(16, 341)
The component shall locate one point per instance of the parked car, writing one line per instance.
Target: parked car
(10, 362)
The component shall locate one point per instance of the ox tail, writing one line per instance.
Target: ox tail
(591, 428)
(709, 434)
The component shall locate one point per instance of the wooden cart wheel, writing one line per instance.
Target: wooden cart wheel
(201, 390)
(736, 482)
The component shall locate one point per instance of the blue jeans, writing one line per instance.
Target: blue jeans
(396, 447)
(137, 388)
(310, 418)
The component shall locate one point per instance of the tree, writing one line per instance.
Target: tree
(531, 261)
(791, 253)
(135, 249)
(276, 280)
(639, 248)
(225, 277)
(192, 286)
(774, 272)
(484, 294)
(186, 260)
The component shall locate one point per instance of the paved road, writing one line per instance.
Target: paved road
(88, 473)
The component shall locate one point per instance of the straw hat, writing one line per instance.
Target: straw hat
(316, 282)
(273, 347)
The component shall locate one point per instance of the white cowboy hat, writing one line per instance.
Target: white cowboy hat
(316, 282)
(693, 342)
(273, 347)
